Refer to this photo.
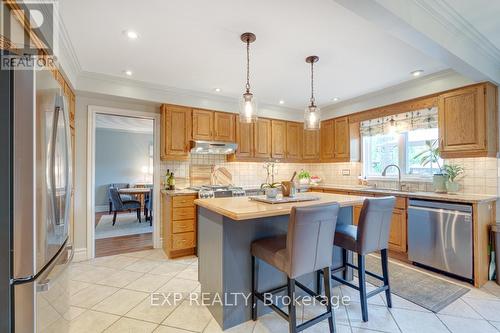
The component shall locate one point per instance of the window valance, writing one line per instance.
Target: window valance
(401, 122)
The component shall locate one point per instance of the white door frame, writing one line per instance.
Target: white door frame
(93, 110)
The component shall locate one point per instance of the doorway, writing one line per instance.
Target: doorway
(123, 183)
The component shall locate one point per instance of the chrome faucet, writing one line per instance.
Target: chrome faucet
(400, 188)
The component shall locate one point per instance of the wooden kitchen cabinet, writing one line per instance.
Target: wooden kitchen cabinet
(175, 132)
(203, 125)
(278, 138)
(224, 127)
(263, 137)
(310, 145)
(341, 142)
(327, 138)
(294, 141)
(467, 120)
(244, 139)
(397, 236)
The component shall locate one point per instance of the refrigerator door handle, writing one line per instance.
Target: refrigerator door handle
(46, 284)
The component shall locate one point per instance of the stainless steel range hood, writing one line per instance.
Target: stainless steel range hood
(213, 147)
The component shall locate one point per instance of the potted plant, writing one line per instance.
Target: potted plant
(271, 189)
(304, 177)
(452, 172)
(431, 156)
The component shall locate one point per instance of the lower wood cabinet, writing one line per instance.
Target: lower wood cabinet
(397, 237)
(178, 225)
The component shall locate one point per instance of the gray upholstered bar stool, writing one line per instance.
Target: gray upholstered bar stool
(306, 248)
(371, 234)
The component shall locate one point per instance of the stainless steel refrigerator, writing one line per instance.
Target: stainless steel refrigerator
(35, 185)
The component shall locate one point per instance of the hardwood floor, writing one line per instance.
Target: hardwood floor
(122, 244)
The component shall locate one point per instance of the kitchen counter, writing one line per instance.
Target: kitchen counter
(242, 208)
(460, 197)
(178, 192)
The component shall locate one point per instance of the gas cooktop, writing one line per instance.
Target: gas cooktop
(218, 191)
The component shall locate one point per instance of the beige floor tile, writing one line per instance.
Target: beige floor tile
(152, 313)
(92, 295)
(467, 325)
(189, 317)
(92, 322)
(188, 260)
(492, 287)
(190, 273)
(460, 309)
(401, 303)
(73, 312)
(148, 282)
(168, 268)
(60, 326)
(354, 295)
(379, 318)
(117, 262)
(143, 265)
(323, 327)
(139, 254)
(157, 254)
(120, 278)
(479, 294)
(89, 273)
(167, 329)
(120, 302)
(76, 286)
(271, 323)
(176, 285)
(417, 322)
(213, 327)
(131, 325)
(489, 309)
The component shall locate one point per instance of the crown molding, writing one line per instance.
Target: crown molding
(70, 64)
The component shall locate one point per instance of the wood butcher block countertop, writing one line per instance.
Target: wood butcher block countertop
(242, 208)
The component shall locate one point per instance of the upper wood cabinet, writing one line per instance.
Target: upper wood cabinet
(263, 136)
(310, 145)
(175, 132)
(224, 126)
(341, 141)
(244, 139)
(278, 136)
(294, 141)
(203, 124)
(327, 133)
(468, 121)
(213, 126)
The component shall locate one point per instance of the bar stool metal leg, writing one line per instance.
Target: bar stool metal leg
(328, 293)
(362, 286)
(292, 315)
(255, 286)
(385, 274)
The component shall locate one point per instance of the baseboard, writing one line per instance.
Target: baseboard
(101, 208)
(80, 255)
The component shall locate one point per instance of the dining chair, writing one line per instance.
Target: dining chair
(121, 205)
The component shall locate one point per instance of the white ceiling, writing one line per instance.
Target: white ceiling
(122, 123)
(194, 45)
(483, 15)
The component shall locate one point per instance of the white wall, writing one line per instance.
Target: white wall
(82, 103)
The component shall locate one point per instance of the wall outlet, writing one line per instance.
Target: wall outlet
(346, 172)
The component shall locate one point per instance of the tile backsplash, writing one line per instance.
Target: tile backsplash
(480, 177)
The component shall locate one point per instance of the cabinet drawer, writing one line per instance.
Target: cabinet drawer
(183, 201)
(185, 240)
(182, 226)
(184, 213)
(400, 203)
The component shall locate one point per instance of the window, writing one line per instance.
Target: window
(402, 149)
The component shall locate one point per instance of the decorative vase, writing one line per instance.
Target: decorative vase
(304, 181)
(271, 193)
(439, 183)
(452, 187)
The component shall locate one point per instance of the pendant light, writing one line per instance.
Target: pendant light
(312, 112)
(248, 104)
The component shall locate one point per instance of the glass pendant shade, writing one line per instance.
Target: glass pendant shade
(312, 117)
(248, 108)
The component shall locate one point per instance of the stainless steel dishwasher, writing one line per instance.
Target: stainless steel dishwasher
(440, 236)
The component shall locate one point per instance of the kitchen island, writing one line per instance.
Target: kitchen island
(226, 228)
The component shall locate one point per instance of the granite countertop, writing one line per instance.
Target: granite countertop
(177, 192)
(242, 208)
(459, 197)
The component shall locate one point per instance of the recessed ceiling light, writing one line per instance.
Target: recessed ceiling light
(217, 89)
(418, 72)
(282, 101)
(335, 99)
(131, 34)
(128, 72)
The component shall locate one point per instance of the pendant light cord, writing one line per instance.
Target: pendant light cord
(312, 83)
(248, 66)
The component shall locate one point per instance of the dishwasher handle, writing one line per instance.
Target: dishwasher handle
(440, 205)
(441, 210)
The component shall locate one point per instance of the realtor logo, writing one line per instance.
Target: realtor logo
(36, 49)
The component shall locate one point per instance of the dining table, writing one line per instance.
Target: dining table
(137, 191)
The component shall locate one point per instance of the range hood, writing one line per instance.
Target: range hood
(213, 147)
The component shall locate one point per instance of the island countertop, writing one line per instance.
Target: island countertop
(242, 208)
